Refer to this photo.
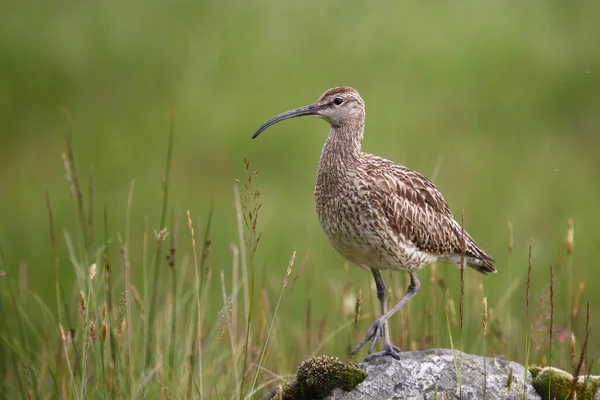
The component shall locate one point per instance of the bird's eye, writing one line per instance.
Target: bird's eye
(337, 101)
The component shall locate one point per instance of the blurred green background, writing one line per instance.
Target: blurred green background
(499, 100)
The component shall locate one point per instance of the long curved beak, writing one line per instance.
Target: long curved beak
(311, 109)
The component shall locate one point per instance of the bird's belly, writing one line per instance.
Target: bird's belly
(364, 239)
(378, 257)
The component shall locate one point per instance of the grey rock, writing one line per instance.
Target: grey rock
(419, 375)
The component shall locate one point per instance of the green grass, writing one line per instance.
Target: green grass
(498, 102)
(105, 343)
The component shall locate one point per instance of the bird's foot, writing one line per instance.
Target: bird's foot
(395, 349)
(376, 330)
(388, 350)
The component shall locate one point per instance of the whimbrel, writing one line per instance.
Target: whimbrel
(378, 214)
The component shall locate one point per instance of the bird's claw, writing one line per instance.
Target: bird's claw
(391, 351)
(375, 330)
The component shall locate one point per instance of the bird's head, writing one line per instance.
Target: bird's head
(338, 106)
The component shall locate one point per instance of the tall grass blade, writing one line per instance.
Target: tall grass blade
(251, 205)
(551, 328)
(108, 297)
(76, 187)
(15, 302)
(456, 366)
(199, 268)
(90, 220)
(583, 354)
(128, 299)
(569, 242)
(264, 349)
(171, 261)
(8, 334)
(509, 280)
(157, 259)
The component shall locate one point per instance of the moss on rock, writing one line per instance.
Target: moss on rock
(553, 383)
(290, 391)
(588, 387)
(535, 370)
(317, 377)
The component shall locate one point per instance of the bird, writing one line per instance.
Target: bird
(380, 215)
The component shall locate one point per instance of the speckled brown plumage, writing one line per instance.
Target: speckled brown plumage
(378, 214)
(386, 216)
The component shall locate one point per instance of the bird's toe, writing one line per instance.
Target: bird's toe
(375, 330)
(386, 352)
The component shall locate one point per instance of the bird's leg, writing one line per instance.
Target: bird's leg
(379, 327)
(382, 296)
(380, 324)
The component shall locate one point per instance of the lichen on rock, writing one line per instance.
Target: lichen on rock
(434, 373)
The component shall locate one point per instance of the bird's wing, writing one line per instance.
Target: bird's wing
(414, 207)
(406, 183)
(417, 212)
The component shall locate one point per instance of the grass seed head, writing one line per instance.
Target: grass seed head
(289, 269)
(93, 332)
(123, 330)
(92, 271)
(484, 315)
(82, 304)
(63, 337)
(452, 311)
(137, 298)
(104, 331)
(69, 174)
(570, 236)
(161, 235)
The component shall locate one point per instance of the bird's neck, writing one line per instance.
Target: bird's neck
(342, 148)
(344, 141)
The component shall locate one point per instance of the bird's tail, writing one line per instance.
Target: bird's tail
(475, 256)
(481, 263)
(484, 266)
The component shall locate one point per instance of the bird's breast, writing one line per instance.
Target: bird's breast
(353, 220)
(348, 220)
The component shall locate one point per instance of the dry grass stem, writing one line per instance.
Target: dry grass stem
(358, 305)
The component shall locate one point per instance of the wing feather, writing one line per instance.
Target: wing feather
(417, 211)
